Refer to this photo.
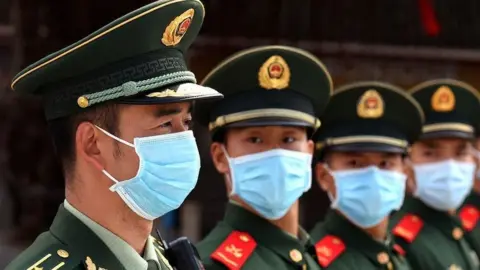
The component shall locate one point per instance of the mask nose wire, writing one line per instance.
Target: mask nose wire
(114, 137)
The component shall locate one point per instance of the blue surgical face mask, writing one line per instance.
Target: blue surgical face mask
(270, 182)
(444, 185)
(168, 172)
(366, 196)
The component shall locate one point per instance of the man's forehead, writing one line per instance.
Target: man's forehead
(366, 154)
(445, 142)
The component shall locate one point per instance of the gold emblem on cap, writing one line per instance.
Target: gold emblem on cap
(274, 73)
(177, 28)
(457, 233)
(454, 267)
(295, 255)
(443, 100)
(62, 253)
(370, 105)
(383, 258)
(82, 102)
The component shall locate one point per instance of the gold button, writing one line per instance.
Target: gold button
(414, 219)
(457, 233)
(335, 241)
(383, 258)
(82, 102)
(390, 266)
(295, 255)
(244, 238)
(62, 253)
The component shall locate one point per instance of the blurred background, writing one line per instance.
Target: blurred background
(401, 42)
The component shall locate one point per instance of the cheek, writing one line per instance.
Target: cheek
(126, 161)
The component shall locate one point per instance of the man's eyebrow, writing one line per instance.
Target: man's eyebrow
(166, 112)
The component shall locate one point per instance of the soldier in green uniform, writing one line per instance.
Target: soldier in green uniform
(469, 213)
(361, 149)
(443, 165)
(261, 144)
(118, 104)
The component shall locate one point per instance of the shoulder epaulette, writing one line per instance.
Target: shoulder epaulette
(408, 227)
(235, 250)
(469, 215)
(53, 260)
(328, 249)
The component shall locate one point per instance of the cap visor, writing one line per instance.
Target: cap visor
(447, 134)
(270, 121)
(367, 147)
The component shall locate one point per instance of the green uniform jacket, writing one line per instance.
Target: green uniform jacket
(470, 216)
(244, 240)
(69, 244)
(342, 245)
(433, 240)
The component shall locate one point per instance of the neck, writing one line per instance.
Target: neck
(287, 223)
(476, 186)
(114, 215)
(379, 232)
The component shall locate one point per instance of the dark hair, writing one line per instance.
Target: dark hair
(63, 131)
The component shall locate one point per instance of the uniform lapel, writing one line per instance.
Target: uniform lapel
(84, 244)
(266, 234)
(378, 253)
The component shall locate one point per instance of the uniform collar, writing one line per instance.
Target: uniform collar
(82, 242)
(353, 236)
(443, 221)
(266, 234)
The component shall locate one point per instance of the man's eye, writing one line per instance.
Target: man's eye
(289, 140)
(254, 140)
(165, 125)
(188, 123)
(353, 163)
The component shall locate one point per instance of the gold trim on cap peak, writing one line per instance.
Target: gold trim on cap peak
(448, 126)
(362, 139)
(261, 113)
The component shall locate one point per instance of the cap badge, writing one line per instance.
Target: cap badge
(177, 28)
(443, 100)
(370, 105)
(274, 73)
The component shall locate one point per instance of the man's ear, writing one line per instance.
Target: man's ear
(323, 176)
(410, 173)
(87, 146)
(219, 159)
(311, 147)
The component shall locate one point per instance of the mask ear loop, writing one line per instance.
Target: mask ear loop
(229, 160)
(333, 201)
(113, 188)
(114, 137)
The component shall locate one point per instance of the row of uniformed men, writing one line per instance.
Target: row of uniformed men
(119, 105)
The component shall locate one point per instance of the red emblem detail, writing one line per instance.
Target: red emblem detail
(328, 249)
(469, 215)
(275, 70)
(183, 26)
(371, 103)
(235, 250)
(408, 228)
